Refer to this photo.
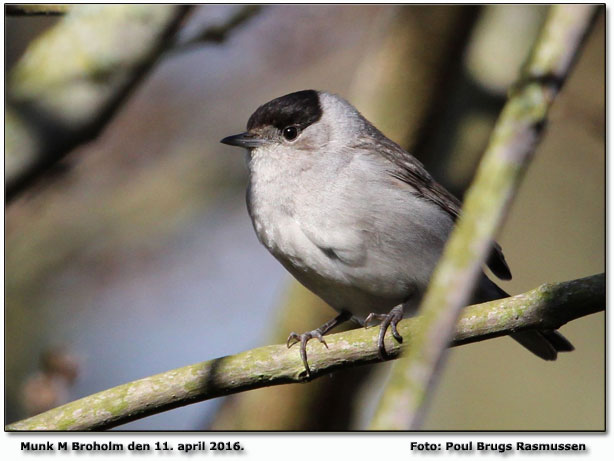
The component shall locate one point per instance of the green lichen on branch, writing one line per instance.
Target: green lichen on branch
(548, 306)
(511, 146)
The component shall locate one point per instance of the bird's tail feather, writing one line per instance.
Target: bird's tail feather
(546, 344)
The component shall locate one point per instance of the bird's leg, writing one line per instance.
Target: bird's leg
(317, 333)
(387, 320)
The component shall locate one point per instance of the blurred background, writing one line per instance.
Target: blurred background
(135, 254)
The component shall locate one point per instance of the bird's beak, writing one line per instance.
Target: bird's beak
(246, 140)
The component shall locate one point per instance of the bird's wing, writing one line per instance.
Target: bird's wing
(409, 170)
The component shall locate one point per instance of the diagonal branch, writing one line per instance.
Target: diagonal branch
(218, 33)
(548, 306)
(100, 53)
(511, 146)
(74, 78)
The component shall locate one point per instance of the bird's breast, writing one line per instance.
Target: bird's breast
(355, 238)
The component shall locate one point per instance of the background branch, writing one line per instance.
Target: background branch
(100, 54)
(548, 306)
(36, 10)
(513, 141)
(219, 32)
(74, 78)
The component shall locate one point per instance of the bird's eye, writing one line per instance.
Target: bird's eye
(290, 133)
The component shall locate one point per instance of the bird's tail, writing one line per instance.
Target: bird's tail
(546, 344)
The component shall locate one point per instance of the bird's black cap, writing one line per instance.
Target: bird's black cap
(299, 109)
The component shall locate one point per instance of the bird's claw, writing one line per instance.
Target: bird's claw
(393, 329)
(295, 338)
(309, 335)
(373, 316)
(387, 320)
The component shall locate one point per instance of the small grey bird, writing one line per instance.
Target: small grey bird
(353, 216)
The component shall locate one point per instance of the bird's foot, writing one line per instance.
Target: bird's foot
(387, 320)
(295, 338)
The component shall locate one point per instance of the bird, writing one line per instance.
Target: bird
(354, 217)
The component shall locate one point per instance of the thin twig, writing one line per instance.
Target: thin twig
(548, 306)
(219, 33)
(512, 143)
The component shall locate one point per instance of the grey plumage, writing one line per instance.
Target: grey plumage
(353, 216)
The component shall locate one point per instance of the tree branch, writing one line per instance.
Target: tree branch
(219, 33)
(73, 79)
(512, 143)
(53, 109)
(36, 10)
(548, 306)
